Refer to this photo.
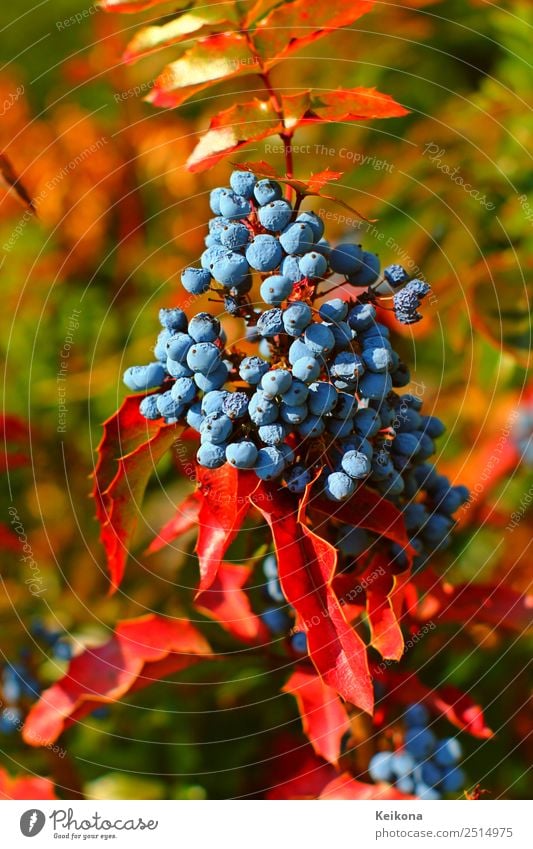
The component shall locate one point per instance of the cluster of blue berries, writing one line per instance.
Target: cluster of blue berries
(278, 616)
(57, 641)
(319, 396)
(425, 766)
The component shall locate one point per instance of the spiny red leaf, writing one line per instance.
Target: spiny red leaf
(210, 60)
(226, 602)
(385, 632)
(495, 605)
(324, 717)
(123, 497)
(232, 129)
(25, 787)
(224, 504)
(291, 26)
(346, 787)
(405, 687)
(185, 519)
(306, 564)
(140, 652)
(369, 510)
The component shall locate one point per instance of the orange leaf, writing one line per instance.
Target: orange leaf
(140, 652)
(150, 39)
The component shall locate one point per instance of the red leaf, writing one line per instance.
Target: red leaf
(351, 104)
(232, 129)
(25, 787)
(293, 25)
(296, 772)
(371, 511)
(119, 504)
(179, 28)
(495, 605)
(385, 632)
(317, 181)
(324, 717)
(210, 60)
(346, 787)
(403, 688)
(306, 564)
(15, 449)
(186, 518)
(226, 602)
(224, 504)
(140, 652)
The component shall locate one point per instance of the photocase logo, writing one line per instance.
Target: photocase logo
(32, 822)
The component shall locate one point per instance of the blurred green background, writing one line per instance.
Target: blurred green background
(113, 232)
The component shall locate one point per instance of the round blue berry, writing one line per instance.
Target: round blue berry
(233, 205)
(270, 323)
(368, 271)
(173, 319)
(275, 215)
(453, 780)
(419, 742)
(322, 397)
(297, 238)
(297, 394)
(266, 191)
(214, 379)
(276, 382)
(380, 766)
(196, 281)
(313, 265)
(347, 366)
(168, 407)
(424, 792)
(334, 310)
(261, 410)
(276, 620)
(377, 359)
(346, 406)
(204, 327)
(176, 369)
(346, 258)
(242, 183)
(194, 416)
(356, 465)
(235, 404)
(361, 317)
(339, 486)
(375, 386)
(234, 236)
(306, 369)
(264, 253)
(272, 434)
(214, 199)
(216, 427)
(290, 267)
(242, 455)
(211, 456)
(148, 407)
(252, 369)
(314, 222)
(178, 346)
(141, 378)
(230, 269)
(299, 642)
(354, 541)
(297, 478)
(183, 391)
(294, 414)
(312, 427)
(269, 463)
(296, 318)
(276, 289)
(203, 357)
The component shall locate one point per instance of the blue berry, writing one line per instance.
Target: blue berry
(362, 317)
(235, 404)
(290, 267)
(269, 463)
(313, 265)
(367, 422)
(204, 327)
(306, 369)
(298, 478)
(210, 256)
(252, 369)
(406, 785)
(214, 379)
(62, 650)
(432, 426)
(453, 780)
(176, 369)
(299, 642)
(312, 427)
(141, 378)
(160, 347)
(430, 772)
(234, 206)
(183, 391)
(234, 236)
(346, 259)
(168, 407)
(276, 620)
(296, 318)
(319, 339)
(375, 386)
(270, 322)
(339, 428)
(296, 394)
(323, 247)
(272, 434)
(214, 199)
(274, 592)
(270, 566)
(402, 764)
(203, 357)
(216, 428)
(334, 310)
(194, 416)
(322, 397)
(242, 183)
(424, 792)
(276, 382)
(356, 465)
(276, 289)
(148, 407)
(314, 222)
(339, 486)
(196, 281)
(368, 272)
(275, 215)
(294, 414)
(242, 455)
(380, 766)
(297, 238)
(230, 269)
(396, 275)
(354, 541)
(267, 191)
(264, 253)
(261, 410)
(211, 456)
(173, 320)
(178, 346)
(377, 359)
(212, 401)
(347, 366)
